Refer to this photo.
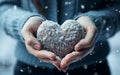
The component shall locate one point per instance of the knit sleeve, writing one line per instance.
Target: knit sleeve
(12, 18)
(106, 20)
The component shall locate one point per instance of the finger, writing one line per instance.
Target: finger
(88, 40)
(75, 56)
(68, 58)
(56, 62)
(31, 40)
(42, 54)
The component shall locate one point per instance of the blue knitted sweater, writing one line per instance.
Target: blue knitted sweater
(104, 13)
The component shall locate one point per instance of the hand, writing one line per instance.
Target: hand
(84, 46)
(32, 44)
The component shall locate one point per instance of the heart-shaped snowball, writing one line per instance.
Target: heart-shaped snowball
(60, 39)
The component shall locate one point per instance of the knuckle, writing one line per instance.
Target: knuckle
(29, 41)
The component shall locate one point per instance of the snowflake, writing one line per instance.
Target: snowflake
(104, 21)
(117, 50)
(92, 53)
(21, 70)
(67, 73)
(101, 44)
(119, 11)
(67, 3)
(40, 61)
(14, 7)
(107, 29)
(100, 61)
(66, 14)
(35, 66)
(46, 7)
(82, 6)
(116, 9)
(85, 66)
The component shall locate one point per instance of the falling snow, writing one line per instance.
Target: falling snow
(107, 29)
(101, 44)
(68, 3)
(104, 21)
(85, 66)
(46, 7)
(100, 61)
(117, 51)
(67, 73)
(21, 70)
(93, 52)
(35, 66)
(40, 61)
(119, 11)
(82, 6)
(14, 7)
(66, 14)
(116, 10)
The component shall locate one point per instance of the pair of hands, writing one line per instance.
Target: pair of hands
(82, 48)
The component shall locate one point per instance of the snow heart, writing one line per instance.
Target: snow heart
(60, 39)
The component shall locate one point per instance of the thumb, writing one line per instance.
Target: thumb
(31, 40)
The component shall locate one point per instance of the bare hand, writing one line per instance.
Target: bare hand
(84, 46)
(32, 44)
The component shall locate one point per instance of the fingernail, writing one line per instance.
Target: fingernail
(36, 46)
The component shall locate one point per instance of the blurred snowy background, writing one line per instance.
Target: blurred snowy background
(7, 58)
